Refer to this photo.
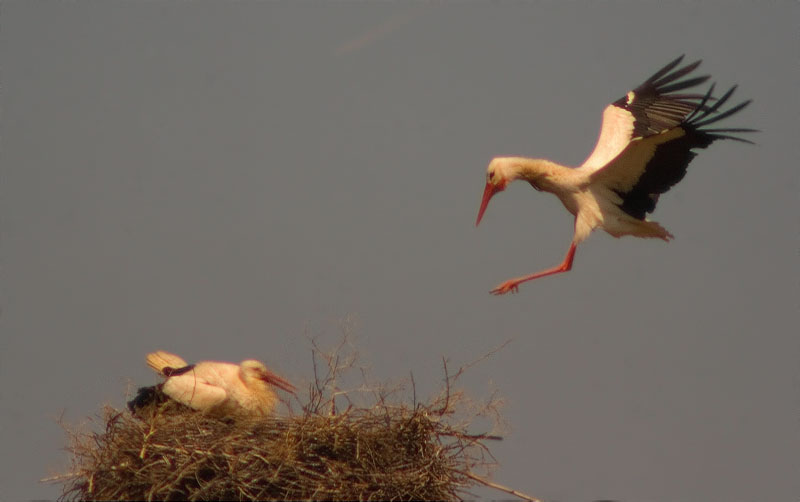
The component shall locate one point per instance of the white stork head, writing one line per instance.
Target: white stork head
(255, 371)
(499, 174)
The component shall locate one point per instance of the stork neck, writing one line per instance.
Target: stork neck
(534, 170)
(247, 378)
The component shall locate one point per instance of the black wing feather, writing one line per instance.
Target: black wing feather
(655, 111)
(652, 105)
(672, 64)
(676, 74)
(170, 372)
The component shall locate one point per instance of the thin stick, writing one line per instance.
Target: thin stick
(481, 358)
(501, 487)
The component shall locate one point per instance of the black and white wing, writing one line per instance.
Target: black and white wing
(647, 137)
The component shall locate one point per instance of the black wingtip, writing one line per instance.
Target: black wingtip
(672, 64)
(721, 101)
(170, 372)
(704, 117)
(677, 74)
(702, 105)
(685, 84)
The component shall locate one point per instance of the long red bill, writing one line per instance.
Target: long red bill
(273, 379)
(488, 192)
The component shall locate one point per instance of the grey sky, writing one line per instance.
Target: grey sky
(218, 179)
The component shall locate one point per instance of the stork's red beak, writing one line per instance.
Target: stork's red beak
(488, 193)
(273, 379)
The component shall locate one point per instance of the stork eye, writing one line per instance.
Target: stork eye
(491, 175)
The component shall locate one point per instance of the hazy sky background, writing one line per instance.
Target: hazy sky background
(221, 179)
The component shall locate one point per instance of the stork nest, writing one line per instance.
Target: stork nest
(335, 449)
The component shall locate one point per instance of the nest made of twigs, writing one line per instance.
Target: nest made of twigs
(384, 451)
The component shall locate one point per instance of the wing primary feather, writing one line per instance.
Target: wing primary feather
(683, 85)
(703, 118)
(726, 113)
(664, 70)
(734, 138)
(702, 104)
(721, 101)
(733, 129)
(680, 97)
(677, 74)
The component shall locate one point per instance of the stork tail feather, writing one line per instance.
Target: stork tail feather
(160, 360)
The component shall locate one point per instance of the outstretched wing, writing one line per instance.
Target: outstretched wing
(650, 109)
(647, 137)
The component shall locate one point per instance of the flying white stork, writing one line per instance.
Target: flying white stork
(644, 147)
(219, 388)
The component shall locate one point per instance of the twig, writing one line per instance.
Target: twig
(146, 437)
(472, 436)
(446, 404)
(501, 487)
(487, 355)
(413, 391)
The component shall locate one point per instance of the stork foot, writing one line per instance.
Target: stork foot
(510, 286)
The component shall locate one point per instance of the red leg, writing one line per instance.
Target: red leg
(512, 285)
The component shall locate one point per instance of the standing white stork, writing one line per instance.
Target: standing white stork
(219, 388)
(644, 147)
